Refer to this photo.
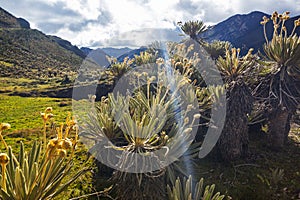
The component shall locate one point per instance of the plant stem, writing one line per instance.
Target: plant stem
(265, 34)
(293, 31)
(45, 138)
(1, 138)
(3, 177)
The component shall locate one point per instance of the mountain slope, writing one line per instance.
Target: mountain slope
(29, 53)
(131, 53)
(244, 31)
(115, 52)
(7, 20)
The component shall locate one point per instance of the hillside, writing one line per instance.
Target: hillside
(7, 20)
(29, 53)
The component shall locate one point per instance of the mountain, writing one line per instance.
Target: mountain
(86, 50)
(115, 52)
(131, 53)
(110, 51)
(99, 57)
(67, 45)
(244, 31)
(7, 20)
(29, 53)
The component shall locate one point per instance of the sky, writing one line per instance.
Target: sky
(132, 23)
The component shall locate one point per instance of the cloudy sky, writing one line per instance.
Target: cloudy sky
(103, 23)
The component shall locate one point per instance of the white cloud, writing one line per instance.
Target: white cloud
(130, 22)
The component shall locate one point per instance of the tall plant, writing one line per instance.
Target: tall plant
(236, 72)
(282, 83)
(193, 29)
(156, 116)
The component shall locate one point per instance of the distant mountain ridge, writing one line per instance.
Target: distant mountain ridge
(244, 30)
(110, 51)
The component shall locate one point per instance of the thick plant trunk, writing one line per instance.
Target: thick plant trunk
(233, 142)
(279, 127)
(131, 186)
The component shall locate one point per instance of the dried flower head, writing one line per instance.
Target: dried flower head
(48, 109)
(265, 20)
(297, 22)
(285, 17)
(160, 61)
(284, 28)
(4, 126)
(53, 142)
(67, 144)
(4, 159)
(61, 153)
(178, 65)
(197, 116)
(46, 116)
(274, 15)
(187, 131)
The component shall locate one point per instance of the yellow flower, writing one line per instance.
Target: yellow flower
(178, 64)
(286, 17)
(284, 28)
(197, 116)
(61, 153)
(263, 22)
(60, 144)
(4, 159)
(160, 61)
(48, 109)
(274, 15)
(67, 144)
(46, 117)
(4, 126)
(53, 142)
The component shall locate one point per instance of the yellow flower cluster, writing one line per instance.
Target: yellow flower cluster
(265, 20)
(3, 127)
(61, 144)
(275, 16)
(47, 114)
(297, 22)
(280, 29)
(58, 147)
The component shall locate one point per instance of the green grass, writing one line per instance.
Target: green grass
(240, 179)
(24, 113)
(10, 85)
